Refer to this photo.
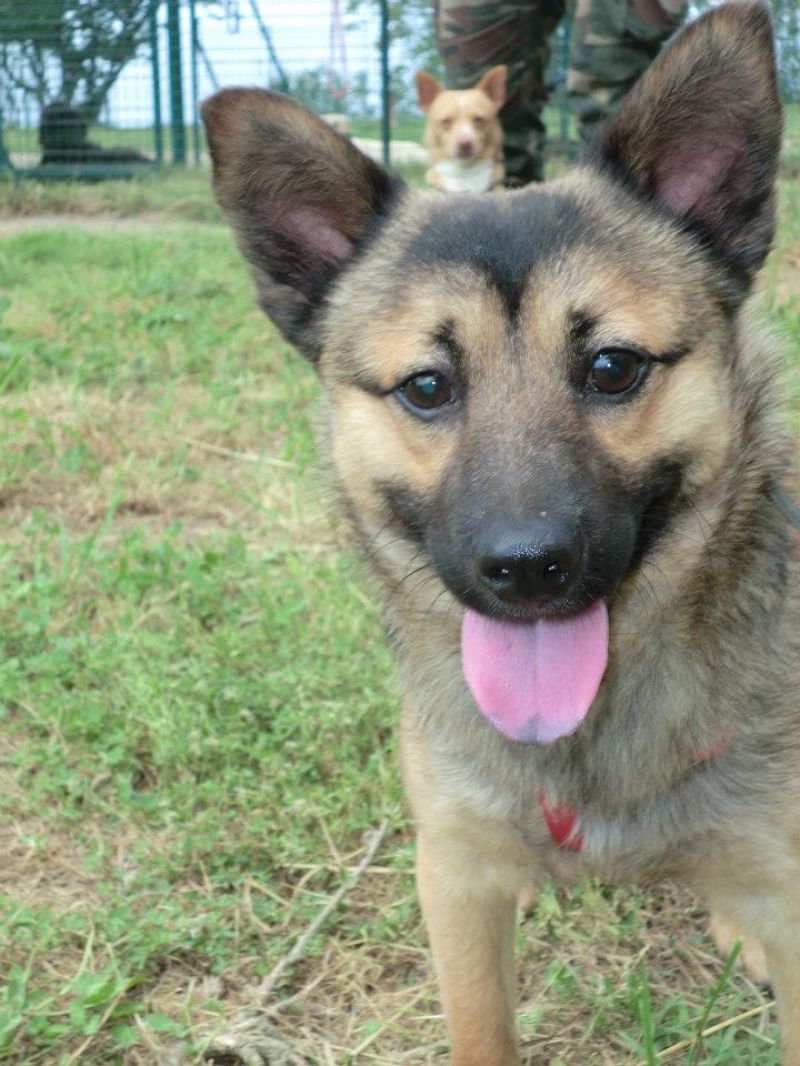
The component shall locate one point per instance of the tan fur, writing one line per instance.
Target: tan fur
(726, 934)
(463, 124)
(507, 297)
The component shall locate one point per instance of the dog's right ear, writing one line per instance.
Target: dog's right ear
(493, 84)
(300, 197)
(701, 131)
(428, 88)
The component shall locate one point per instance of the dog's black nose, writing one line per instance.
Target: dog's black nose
(531, 568)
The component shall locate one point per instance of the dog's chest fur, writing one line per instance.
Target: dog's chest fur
(458, 175)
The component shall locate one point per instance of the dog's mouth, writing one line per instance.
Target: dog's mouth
(535, 681)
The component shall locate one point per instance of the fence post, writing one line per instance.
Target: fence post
(282, 80)
(176, 82)
(565, 30)
(155, 64)
(195, 40)
(386, 101)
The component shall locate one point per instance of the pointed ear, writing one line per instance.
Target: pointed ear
(493, 83)
(428, 88)
(701, 131)
(300, 198)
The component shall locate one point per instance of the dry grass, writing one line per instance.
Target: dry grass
(135, 464)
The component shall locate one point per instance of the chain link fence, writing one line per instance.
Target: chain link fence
(103, 88)
(97, 88)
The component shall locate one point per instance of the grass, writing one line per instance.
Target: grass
(179, 195)
(197, 705)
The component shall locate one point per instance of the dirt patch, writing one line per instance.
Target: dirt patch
(108, 463)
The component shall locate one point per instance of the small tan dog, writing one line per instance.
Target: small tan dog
(463, 133)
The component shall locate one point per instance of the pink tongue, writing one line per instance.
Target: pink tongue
(535, 682)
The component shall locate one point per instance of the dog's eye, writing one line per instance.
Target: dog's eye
(478, 120)
(426, 391)
(615, 370)
(446, 123)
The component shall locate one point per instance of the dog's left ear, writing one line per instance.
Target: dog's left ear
(300, 197)
(701, 131)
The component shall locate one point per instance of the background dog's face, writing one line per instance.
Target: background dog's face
(525, 390)
(463, 124)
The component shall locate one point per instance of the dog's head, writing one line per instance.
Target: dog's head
(463, 124)
(525, 389)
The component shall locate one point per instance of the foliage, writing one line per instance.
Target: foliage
(412, 36)
(69, 50)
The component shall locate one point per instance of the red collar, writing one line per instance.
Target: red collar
(563, 821)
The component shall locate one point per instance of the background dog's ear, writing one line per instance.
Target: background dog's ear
(493, 83)
(701, 131)
(300, 198)
(428, 88)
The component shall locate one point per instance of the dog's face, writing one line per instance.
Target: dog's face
(524, 390)
(463, 124)
(531, 395)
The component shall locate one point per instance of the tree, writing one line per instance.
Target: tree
(412, 36)
(70, 51)
(313, 88)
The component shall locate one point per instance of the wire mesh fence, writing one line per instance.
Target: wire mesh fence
(115, 86)
(100, 87)
(110, 87)
(61, 70)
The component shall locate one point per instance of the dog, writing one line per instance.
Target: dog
(554, 427)
(463, 133)
(64, 137)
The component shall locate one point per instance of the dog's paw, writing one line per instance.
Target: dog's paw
(527, 900)
(725, 933)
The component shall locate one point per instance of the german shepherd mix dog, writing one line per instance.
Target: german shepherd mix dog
(553, 425)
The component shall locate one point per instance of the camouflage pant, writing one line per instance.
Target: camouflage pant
(611, 44)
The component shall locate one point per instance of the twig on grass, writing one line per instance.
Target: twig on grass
(759, 1036)
(295, 997)
(373, 1036)
(267, 986)
(251, 1039)
(229, 453)
(682, 1045)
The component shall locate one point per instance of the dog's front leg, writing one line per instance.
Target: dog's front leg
(470, 911)
(783, 964)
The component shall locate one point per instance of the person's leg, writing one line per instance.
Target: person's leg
(612, 43)
(474, 35)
